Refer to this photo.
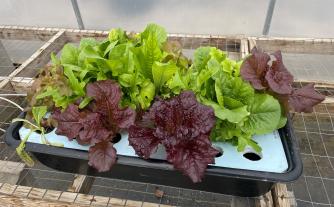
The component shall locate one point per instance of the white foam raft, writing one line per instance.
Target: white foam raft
(272, 157)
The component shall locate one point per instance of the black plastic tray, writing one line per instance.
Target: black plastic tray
(217, 179)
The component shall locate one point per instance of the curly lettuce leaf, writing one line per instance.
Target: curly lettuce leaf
(69, 54)
(143, 140)
(183, 126)
(107, 96)
(51, 88)
(235, 89)
(192, 158)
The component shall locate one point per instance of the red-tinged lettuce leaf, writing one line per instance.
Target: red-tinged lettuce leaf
(97, 123)
(85, 126)
(193, 157)
(143, 141)
(254, 69)
(278, 77)
(182, 117)
(124, 117)
(303, 99)
(107, 95)
(93, 131)
(183, 126)
(102, 156)
(68, 121)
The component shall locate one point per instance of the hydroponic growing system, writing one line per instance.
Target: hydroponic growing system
(136, 106)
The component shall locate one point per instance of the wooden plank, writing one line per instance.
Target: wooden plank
(7, 189)
(68, 197)
(22, 191)
(146, 204)
(131, 203)
(52, 195)
(84, 199)
(265, 200)
(318, 83)
(74, 35)
(328, 100)
(21, 85)
(81, 184)
(251, 44)
(39, 58)
(296, 45)
(10, 201)
(244, 48)
(37, 193)
(100, 201)
(77, 35)
(27, 33)
(281, 197)
(116, 202)
(27, 196)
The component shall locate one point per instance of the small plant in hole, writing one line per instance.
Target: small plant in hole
(38, 113)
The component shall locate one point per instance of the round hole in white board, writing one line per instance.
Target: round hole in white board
(219, 149)
(46, 130)
(116, 138)
(253, 156)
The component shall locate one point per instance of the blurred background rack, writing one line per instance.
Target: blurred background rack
(24, 50)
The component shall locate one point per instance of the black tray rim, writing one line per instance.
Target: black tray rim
(288, 138)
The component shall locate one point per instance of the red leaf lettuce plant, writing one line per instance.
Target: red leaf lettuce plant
(182, 125)
(275, 79)
(98, 123)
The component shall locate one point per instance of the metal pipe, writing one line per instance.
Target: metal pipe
(77, 14)
(269, 16)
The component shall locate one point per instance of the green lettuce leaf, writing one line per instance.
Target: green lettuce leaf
(154, 30)
(234, 116)
(265, 115)
(162, 72)
(69, 54)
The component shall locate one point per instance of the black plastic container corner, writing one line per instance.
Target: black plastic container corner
(217, 179)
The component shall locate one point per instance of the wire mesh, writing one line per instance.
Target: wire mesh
(189, 44)
(316, 139)
(13, 52)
